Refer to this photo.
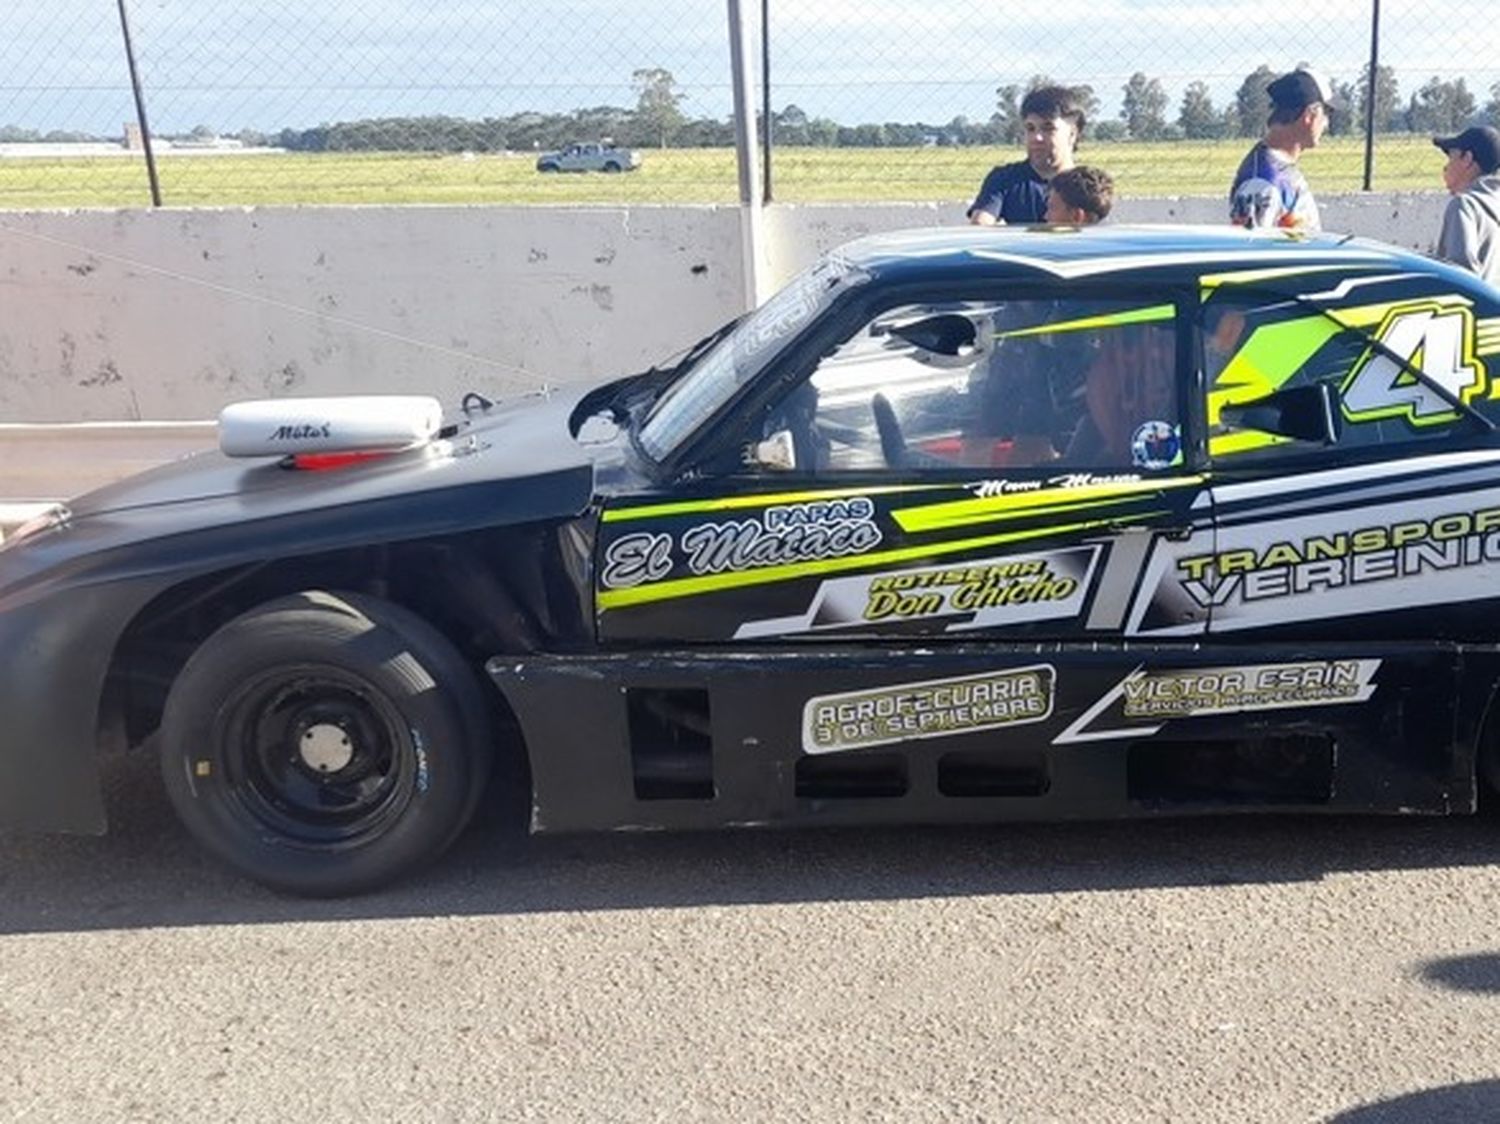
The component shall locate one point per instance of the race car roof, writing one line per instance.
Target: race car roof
(1075, 252)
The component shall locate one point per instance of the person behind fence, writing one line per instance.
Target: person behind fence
(1269, 189)
(1080, 196)
(1053, 120)
(1471, 223)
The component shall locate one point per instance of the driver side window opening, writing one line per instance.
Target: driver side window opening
(1252, 346)
(1069, 383)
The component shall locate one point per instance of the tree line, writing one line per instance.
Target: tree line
(657, 120)
(1438, 106)
(1146, 113)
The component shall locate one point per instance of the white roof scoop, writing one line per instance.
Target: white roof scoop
(276, 427)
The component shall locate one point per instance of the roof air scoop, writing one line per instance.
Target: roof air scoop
(277, 427)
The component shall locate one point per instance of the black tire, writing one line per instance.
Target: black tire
(547, 167)
(611, 167)
(324, 744)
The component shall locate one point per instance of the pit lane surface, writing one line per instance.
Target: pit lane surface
(1230, 969)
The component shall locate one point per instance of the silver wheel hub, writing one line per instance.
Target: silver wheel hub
(326, 748)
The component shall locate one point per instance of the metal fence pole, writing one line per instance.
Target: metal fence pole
(749, 166)
(140, 107)
(1370, 91)
(765, 89)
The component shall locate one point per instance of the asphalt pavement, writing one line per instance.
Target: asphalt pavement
(1233, 969)
(1237, 969)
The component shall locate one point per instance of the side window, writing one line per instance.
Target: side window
(1071, 383)
(1366, 353)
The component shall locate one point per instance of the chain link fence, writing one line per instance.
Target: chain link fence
(384, 101)
(1175, 90)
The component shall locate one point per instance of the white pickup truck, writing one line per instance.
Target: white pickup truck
(588, 158)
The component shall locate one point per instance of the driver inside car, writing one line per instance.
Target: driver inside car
(1128, 402)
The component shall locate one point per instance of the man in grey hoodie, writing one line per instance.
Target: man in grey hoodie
(1471, 224)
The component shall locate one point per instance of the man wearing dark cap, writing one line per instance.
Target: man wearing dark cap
(1471, 224)
(1269, 189)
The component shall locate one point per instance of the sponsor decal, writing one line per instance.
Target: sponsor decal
(633, 559)
(1155, 444)
(929, 709)
(780, 535)
(793, 533)
(980, 594)
(987, 489)
(1144, 701)
(934, 593)
(1340, 559)
(301, 431)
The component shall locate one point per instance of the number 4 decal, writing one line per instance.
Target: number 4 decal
(1437, 341)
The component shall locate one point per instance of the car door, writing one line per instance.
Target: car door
(1392, 529)
(1005, 465)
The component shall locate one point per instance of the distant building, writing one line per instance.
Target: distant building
(133, 141)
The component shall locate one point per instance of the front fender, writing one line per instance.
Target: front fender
(67, 599)
(57, 650)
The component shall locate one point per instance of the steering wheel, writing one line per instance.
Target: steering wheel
(892, 442)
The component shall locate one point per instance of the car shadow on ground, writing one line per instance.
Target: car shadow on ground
(148, 873)
(1476, 974)
(1451, 1104)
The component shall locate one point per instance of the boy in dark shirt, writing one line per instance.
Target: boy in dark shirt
(1017, 193)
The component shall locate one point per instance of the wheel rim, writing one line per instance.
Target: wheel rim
(317, 755)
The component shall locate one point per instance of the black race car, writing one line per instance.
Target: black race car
(962, 525)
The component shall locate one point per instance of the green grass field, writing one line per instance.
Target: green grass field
(800, 175)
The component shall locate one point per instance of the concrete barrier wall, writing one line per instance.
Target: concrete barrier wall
(170, 314)
(162, 315)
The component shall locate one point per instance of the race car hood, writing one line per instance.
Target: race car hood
(525, 439)
(510, 464)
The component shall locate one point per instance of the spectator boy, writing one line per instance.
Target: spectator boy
(1471, 224)
(1079, 196)
(1053, 120)
(1269, 189)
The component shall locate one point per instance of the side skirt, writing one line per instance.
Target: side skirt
(983, 732)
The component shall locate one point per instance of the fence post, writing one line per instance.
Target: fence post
(140, 108)
(751, 235)
(765, 89)
(1370, 91)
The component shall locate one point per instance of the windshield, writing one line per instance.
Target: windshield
(715, 378)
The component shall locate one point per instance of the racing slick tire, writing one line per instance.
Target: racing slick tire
(324, 744)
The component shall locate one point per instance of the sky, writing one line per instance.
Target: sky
(269, 64)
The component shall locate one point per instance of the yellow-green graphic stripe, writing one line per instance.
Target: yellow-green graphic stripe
(1111, 320)
(1487, 336)
(962, 513)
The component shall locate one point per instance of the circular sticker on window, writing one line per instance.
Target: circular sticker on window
(1154, 445)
